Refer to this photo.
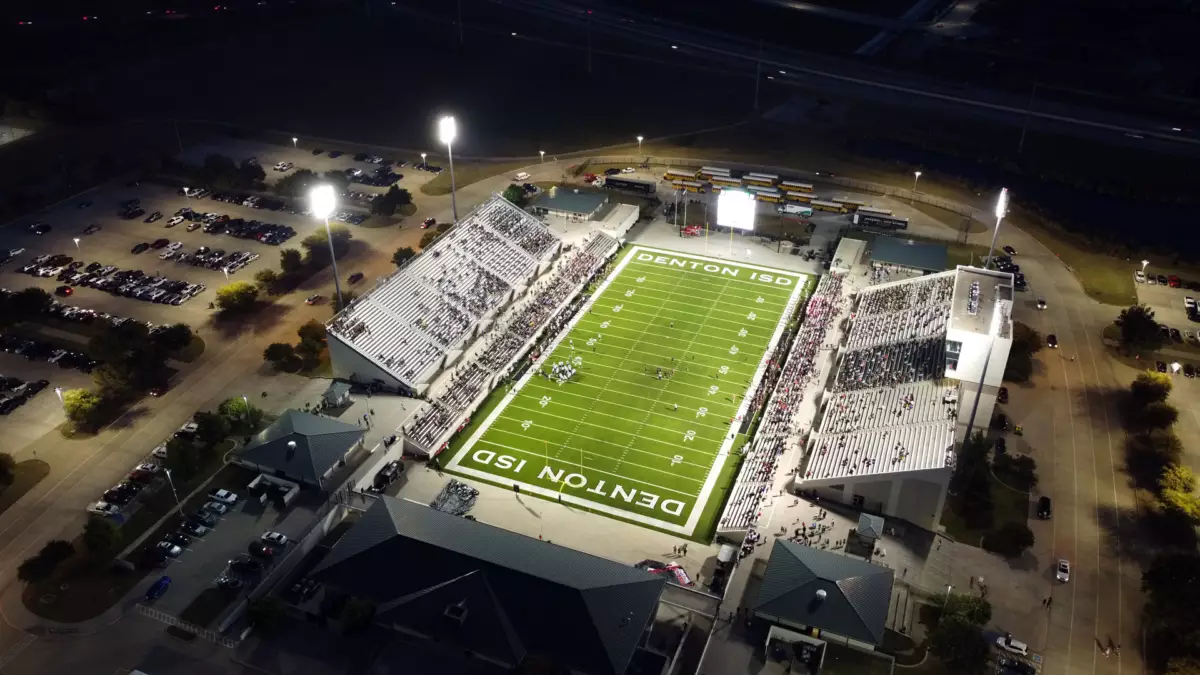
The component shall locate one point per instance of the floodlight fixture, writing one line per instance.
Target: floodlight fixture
(322, 200)
(1002, 203)
(447, 129)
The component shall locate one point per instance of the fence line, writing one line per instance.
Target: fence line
(163, 617)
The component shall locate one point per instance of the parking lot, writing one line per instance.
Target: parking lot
(41, 412)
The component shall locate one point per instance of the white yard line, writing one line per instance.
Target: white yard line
(609, 426)
(607, 473)
(621, 417)
(575, 434)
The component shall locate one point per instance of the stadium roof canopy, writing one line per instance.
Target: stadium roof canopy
(836, 593)
(578, 202)
(492, 591)
(915, 255)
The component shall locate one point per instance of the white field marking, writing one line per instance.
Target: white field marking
(600, 507)
(697, 509)
(497, 429)
(621, 417)
(653, 289)
(724, 406)
(706, 356)
(707, 279)
(642, 266)
(711, 391)
(741, 321)
(635, 301)
(607, 473)
(673, 432)
(574, 383)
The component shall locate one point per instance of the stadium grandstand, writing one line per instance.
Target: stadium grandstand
(885, 435)
(403, 332)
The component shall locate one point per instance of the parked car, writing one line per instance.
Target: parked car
(103, 509)
(1010, 250)
(140, 248)
(223, 496)
(159, 587)
(356, 277)
(91, 229)
(274, 538)
(171, 550)
(1008, 644)
(261, 549)
(204, 518)
(1063, 571)
(216, 507)
(428, 223)
(194, 529)
(1043, 508)
(1052, 341)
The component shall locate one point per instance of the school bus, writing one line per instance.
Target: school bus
(674, 175)
(709, 172)
(792, 186)
(872, 209)
(762, 179)
(829, 206)
(799, 197)
(851, 204)
(689, 185)
(726, 181)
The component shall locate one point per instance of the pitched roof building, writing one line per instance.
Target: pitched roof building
(506, 597)
(809, 588)
(301, 447)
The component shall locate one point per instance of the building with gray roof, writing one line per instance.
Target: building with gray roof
(808, 588)
(908, 254)
(301, 447)
(569, 203)
(507, 598)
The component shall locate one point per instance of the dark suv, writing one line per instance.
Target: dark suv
(1043, 508)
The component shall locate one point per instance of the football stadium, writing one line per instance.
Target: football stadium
(637, 407)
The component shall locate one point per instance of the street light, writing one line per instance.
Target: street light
(543, 154)
(447, 130)
(1001, 211)
(321, 200)
(639, 146)
(178, 506)
(76, 240)
(58, 392)
(916, 177)
(1144, 263)
(423, 164)
(294, 139)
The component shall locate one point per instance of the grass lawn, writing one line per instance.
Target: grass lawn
(1009, 506)
(1104, 278)
(617, 438)
(466, 173)
(25, 475)
(952, 221)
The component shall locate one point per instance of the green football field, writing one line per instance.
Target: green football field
(663, 358)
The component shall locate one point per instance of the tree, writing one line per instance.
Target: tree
(219, 173)
(1026, 342)
(84, 409)
(250, 174)
(291, 261)
(101, 534)
(317, 243)
(970, 608)
(267, 280)
(42, 565)
(113, 382)
(174, 337)
(399, 195)
(338, 179)
(241, 415)
(264, 613)
(1150, 388)
(403, 255)
(211, 428)
(1171, 583)
(1160, 415)
(8, 469)
(279, 353)
(427, 239)
(1019, 472)
(1148, 455)
(383, 205)
(960, 645)
(183, 459)
(515, 194)
(296, 184)
(1177, 488)
(30, 303)
(312, 331)
(237, 296)
(1183, 665)
(1139, 330)
(971, 483)
(1010, 540)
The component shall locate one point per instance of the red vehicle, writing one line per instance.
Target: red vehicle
(691, 231)
(1173, 281)
(589, 177)
(428, 223)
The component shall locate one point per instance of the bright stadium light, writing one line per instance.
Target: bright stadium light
(1001, 210)
(321, 201)
(447, 131)
(1002, 203)
(736, 209)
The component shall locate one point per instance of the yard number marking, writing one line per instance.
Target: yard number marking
(604, 325)
(641, 279)
(690, 435)
(577, 361)
(591, 342)
(751, 316)
(677, 459)
(760, 300)
(526, 424)
(701, 412)
(617, 308)
(629, 293)
(713, 390)
(724, 370)
(545, 401)
(742, 333)
(733, 349)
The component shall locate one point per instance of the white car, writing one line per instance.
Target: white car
(170, 549)
(174, 221)
(147, 467)
(1140, 277)
(1008, 644)
(166, 255)
(521, 176)
(103, 509)
(160, 452)
(283, 166)
(189, 428)
(1063, 572)
(628, 169)
(175, 246)
(223, 496)
(1189, 302)
(274, 538)
(216, 507)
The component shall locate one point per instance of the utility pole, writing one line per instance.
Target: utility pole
(757, 73)
(1028, 109)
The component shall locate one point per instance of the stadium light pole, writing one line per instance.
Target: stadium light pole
(640, 145)
(76, 240)
(916, 177)
(321, 200)
(294, 140)
(423, 164)
(543, 154)
(1001, 210)
(1144, 264)
(447, 130)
